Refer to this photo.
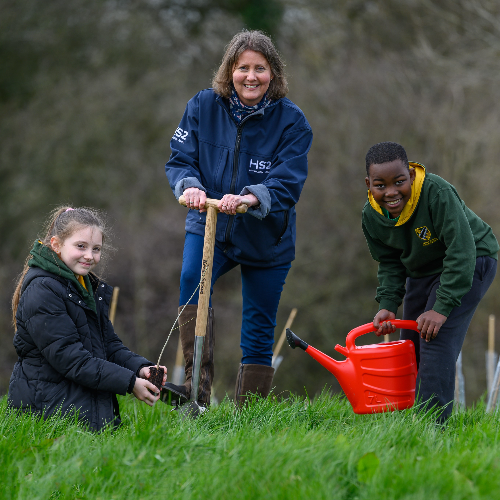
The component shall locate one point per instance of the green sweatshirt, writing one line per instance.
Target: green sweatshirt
(435, 234)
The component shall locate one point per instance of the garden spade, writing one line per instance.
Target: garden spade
(192, 408)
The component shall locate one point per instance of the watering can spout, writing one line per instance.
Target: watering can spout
(294, 341)
(330, 364)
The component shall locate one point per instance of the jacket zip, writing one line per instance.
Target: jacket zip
(283, 231)
(233, 180)
(235, 163)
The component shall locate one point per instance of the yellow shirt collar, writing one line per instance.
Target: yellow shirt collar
(81, 281)
(412, 203)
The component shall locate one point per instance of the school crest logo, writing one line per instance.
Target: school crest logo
(425, 235)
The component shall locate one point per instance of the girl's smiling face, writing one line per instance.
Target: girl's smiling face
(390, 184)
(251, 77)
(81, 251)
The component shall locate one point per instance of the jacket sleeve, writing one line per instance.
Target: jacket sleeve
(182, 168)
(117, 353)
(55, 335)
(282, 187)
(391, 272)
(453, 230)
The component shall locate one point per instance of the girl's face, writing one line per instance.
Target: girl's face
(251, 77)
(81, 251)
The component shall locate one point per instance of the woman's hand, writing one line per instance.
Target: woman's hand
(383, 323)
(145, 391)
(195, 199)
(145, 373)
(429, 324)
(230, 202)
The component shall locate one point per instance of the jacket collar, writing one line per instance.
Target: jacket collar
(224, 103)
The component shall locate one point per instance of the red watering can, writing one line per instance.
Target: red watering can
(375, 378)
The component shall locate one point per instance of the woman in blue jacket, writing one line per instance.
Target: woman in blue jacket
(241, 141)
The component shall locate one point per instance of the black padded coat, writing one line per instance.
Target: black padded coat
(69, 356)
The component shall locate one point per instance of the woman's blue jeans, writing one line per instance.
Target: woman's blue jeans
(261, 290)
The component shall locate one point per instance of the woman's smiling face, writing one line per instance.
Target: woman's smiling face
(251, 77)
(390, 184)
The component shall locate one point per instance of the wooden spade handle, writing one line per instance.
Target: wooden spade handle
(207, 262)
(210, 202)
(206, 272)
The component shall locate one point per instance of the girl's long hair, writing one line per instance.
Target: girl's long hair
(62, 223)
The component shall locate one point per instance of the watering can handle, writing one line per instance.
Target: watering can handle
(361, 330)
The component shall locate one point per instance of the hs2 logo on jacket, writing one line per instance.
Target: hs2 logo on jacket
(180, 135)
(259, 167)
(425, 235)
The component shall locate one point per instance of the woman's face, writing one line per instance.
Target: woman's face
(251, 77)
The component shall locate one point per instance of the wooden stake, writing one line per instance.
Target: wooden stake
(178, 375)
(459, 383)
(493, 396)
(281, 340)
(114, 301)
(490, 355)
(491, 333)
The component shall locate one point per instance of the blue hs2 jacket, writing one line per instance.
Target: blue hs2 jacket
(266, 155)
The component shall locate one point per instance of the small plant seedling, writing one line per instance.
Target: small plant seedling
(156, 376)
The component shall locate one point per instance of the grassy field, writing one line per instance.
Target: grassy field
(289, 449)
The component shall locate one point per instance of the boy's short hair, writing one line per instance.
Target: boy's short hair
(384, 152)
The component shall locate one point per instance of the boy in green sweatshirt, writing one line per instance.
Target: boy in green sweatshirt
(433, 251)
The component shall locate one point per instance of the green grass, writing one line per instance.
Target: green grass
(274, 449)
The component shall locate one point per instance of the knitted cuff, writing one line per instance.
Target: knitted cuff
(132, 384)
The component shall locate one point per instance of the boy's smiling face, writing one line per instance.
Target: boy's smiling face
(390, 184)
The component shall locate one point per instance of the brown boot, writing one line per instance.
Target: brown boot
(179, 394)
(253, 379)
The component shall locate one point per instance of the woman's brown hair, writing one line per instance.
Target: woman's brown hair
(257, 41)
(62, 223)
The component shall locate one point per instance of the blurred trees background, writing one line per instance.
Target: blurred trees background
(91, 92)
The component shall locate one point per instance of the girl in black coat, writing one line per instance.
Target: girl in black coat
(70, 358)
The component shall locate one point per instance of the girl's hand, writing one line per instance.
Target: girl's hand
(142, 392)
(145, 373)
(429, 324)
(230, 202)
(195, 198)
(380, 321)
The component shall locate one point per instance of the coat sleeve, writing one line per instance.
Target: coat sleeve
(453, 230)
(182, 168)
(391, 272)
(121, 355)
(282, 187)
(55, 335)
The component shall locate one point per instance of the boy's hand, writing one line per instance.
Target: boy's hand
(145, 391)
(429, 323)
(380, 321)
(145, 373)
